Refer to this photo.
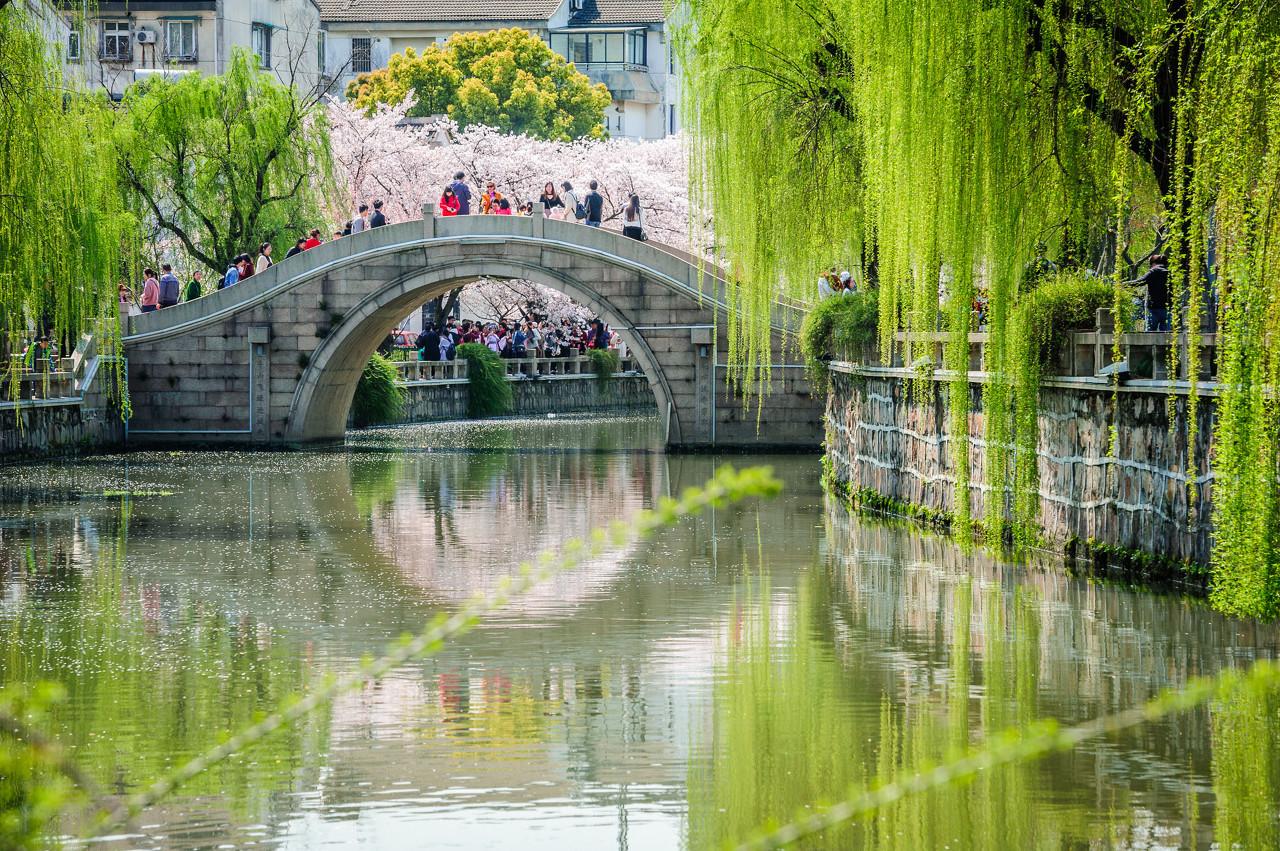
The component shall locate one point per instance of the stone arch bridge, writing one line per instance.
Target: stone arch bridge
(274, 360)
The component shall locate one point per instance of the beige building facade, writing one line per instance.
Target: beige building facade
(112, 44)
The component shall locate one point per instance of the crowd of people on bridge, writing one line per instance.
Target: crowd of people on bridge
(511, 339)
(564, 203)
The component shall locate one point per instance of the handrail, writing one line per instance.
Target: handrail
(518, 369)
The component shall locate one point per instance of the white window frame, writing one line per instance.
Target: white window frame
(111, 36)
(367, 55)
(181, 23)
(322, 44)
(73, 45)
(261, 40)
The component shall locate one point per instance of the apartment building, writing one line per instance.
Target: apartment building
(624, 44)
(121, 42)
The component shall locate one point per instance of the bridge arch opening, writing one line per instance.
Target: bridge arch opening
(323, 397)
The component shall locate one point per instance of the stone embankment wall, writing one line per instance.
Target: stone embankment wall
(428, 401)
(881, 439)
(54, 428)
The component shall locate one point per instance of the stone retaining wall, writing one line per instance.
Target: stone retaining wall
(878, 438)
(434, 400)
(53, 428)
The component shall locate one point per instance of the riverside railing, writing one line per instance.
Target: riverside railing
(1143, 354)
(415, 371)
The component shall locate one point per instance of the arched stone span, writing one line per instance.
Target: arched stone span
(275, 359)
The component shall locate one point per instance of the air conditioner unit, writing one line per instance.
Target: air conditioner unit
(145, 36)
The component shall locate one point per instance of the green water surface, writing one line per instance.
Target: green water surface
(674, 695)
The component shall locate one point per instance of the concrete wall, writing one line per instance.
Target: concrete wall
(430, 401)
(880, 439)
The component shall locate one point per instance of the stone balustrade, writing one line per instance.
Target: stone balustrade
(517, 368)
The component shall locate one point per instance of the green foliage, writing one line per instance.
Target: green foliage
(33, 791)
(604, 363)
(508, 79)
(489, 392)
(942, 140)
(224, 163)
(63, 227)
(843, 327)
(1048, 315)
(378, 398)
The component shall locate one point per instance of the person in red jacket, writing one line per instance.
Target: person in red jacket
(313, 241)
(449, 204)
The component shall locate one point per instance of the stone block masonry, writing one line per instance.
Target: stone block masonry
(880, 438)
(432, 401)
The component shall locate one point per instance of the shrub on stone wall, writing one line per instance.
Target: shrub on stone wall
(490, 392)
(839, 327)
(378, 398)
(1068, 303)
(604, 362)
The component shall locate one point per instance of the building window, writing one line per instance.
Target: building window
(637, 48)
(361, 55)
(320, 45)
(117, 41)
(73, 46)
(180, 41)
(262, 44)
(599, 48)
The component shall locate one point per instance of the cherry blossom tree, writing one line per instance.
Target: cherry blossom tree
(381, 156)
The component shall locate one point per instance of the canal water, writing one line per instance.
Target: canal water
(673, 695)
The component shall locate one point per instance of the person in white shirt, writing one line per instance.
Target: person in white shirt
(361, 222)
(264, 259)
(824, 288)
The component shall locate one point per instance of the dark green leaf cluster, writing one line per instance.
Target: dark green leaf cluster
(378, 398)
(842, 327)
(489, 391)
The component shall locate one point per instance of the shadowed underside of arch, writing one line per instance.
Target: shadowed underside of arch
(275, 360)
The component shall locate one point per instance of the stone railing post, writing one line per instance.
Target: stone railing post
(429, 220)
(539, 219)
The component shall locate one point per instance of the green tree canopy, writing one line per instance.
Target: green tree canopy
(508, 79)
(63, 227)
(224, 163)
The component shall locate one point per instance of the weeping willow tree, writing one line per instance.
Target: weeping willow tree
(223, 164)
(63, 227)
(936, 143)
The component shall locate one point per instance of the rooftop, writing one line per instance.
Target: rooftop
(618, 12)
(437, 10)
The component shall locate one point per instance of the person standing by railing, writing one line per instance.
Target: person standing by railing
(450, 204)
(264, 258)
(377, 220)
(462, 192)
(170, 289)
(633, 219)
(594, 203)
(194, 288)
(150, 291)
